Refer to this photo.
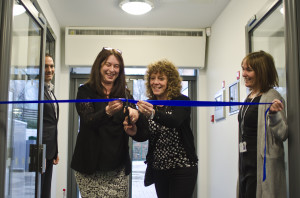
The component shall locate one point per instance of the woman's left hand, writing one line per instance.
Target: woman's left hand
(276, 106)
(145, 108)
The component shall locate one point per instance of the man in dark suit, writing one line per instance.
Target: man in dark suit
(50, 119)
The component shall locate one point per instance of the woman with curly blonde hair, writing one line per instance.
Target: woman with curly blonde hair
(174, 80)
(172, 163)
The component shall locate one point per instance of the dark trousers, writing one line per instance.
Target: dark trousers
(247, 174)
(46, 180)
(175, 183)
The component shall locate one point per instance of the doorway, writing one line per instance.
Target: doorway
(23, 82)
(136, 84)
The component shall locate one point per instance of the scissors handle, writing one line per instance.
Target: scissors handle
(127, 111)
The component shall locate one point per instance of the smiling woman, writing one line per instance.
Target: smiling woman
(109, 71)
(171, 159)
(101, 157)
(262, 131)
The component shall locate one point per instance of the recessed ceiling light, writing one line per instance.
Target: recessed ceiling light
(136, 7)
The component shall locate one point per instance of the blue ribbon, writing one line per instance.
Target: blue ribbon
(186, 103)
(265, 149)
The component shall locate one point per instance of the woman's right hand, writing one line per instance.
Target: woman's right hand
(131, 128)
(113, 107)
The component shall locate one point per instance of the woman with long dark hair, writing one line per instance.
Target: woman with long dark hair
(101, 156)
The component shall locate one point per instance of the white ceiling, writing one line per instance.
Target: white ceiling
(177, 14)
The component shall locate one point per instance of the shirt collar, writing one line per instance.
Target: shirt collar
(49, 86)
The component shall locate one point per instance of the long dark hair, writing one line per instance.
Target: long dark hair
(95, 79)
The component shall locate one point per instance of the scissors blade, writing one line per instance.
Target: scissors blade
(127, 110)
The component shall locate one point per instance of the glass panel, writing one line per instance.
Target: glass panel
(269, 36)
(22, 118)
(140, 149)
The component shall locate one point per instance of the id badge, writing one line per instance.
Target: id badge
(243, 147)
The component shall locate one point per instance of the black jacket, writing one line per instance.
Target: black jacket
(50, 127)
(180, 119)
(102, 143)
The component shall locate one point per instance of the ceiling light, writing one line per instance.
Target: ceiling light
(136, 7)
(281, 10)
(18, 9)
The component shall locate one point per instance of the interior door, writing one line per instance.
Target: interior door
(25, 83)
(266, 32)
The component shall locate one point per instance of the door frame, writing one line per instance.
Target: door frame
(75, 79)
(292, 51)
(5, 51)
(292, 62)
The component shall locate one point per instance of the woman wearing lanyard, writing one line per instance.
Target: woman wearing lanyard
(257, 132)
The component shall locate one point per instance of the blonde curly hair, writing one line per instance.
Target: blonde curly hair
(164, 67)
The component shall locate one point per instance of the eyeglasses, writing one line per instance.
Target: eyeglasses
(109, 48)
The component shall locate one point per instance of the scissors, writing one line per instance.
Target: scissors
(127, 110)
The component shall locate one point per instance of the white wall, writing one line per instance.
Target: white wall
(82, 49)
(225, 53)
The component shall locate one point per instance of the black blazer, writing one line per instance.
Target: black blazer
(50, 127)
(102, 143)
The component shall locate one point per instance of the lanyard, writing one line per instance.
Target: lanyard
(244, 112)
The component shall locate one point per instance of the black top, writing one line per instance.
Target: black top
(248, 131)
(167, 120)
(102, 143)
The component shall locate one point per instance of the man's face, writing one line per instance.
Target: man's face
(49, 69)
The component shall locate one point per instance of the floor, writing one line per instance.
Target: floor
(23, 183)
(138, 188)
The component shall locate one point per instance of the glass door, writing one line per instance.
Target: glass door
(23, 159)
(266, 31)
(268, 35)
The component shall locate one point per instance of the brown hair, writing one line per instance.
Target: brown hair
(95, 79)
(263, 65)
(48, 55)
(173, 79)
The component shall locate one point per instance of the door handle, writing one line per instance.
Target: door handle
(37, 157)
